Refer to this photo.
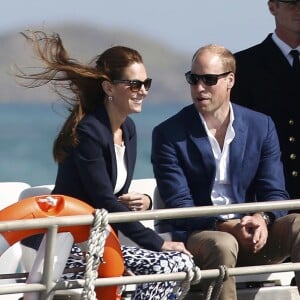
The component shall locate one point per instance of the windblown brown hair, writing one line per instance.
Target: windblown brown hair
(76, 83)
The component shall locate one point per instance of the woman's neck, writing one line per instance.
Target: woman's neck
(116, 120)
(118, 136)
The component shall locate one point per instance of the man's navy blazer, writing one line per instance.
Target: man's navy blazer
(184, 164)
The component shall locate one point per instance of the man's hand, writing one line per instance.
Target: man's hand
(257, 225)
(251, 232)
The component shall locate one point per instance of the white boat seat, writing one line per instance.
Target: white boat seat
(11, 258)
(29, 255)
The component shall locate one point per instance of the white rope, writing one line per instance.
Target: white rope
(193, 276)
(215, 287)
(94, 255)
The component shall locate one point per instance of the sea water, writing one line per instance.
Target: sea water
(27, 132)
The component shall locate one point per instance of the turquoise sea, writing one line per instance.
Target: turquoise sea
(27, 132)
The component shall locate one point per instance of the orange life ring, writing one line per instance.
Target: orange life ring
(58, 205)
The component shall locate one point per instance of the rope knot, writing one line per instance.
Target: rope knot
(193, 276)
(223, 272)
(94, 255)
(215, 287)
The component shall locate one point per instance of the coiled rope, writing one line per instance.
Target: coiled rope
(193, 276)
(94, 255)
(215, 287)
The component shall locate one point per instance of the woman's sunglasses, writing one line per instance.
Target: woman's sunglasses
(207, 79)
(135, 85)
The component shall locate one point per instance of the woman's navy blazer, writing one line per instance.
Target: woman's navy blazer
(89, 172)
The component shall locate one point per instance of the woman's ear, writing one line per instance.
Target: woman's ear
(107, 87)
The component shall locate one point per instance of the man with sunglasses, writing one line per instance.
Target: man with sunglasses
(214, 152)
(267, 82)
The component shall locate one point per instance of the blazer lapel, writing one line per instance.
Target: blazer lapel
(237, 146)
(129, 153)
(199, 137)
(270, 53)
(104, 119)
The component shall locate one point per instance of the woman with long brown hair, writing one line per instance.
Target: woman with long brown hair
(96, 147)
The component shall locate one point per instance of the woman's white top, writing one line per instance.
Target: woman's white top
(121, 167)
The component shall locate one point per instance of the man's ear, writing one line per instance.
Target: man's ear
(272, 7)
(230, 80)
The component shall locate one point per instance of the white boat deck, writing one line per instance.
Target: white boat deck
(255, 283)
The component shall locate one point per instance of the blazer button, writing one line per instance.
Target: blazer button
(293, 156)
(294, 173)
(292, 139)
(291, 122)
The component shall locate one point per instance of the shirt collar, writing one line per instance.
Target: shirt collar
(231, 117)
(285, 48)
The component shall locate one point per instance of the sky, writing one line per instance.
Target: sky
(182, 25)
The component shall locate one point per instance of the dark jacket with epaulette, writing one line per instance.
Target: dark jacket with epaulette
(266, 82)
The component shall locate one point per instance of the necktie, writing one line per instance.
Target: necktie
(296, 61)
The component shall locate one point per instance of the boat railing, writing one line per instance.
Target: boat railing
(52, 224)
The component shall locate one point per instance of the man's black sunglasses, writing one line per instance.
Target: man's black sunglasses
(289, 1)
(207, 79)
(135, 85)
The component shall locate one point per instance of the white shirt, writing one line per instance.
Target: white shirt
(121, 167)
(221, 193)
(285, 48)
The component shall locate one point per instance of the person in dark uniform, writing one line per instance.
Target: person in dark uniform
(267, 81)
